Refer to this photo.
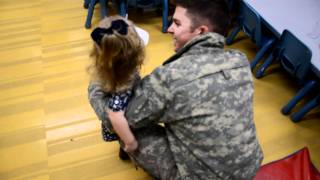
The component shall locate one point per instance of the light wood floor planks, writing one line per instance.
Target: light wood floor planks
(47, 127)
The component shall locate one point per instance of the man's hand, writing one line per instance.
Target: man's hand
(131, 147)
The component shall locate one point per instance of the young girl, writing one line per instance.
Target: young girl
(118, 54)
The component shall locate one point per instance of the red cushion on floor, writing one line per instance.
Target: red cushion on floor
(296, 166)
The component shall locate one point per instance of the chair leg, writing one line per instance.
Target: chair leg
(261, 52)
(123, 6)
(302, 92)
(296, 117)
(86, 4)
(264, 66)
(103, 7)
(90, 13)
(232, 35)
(165, 9)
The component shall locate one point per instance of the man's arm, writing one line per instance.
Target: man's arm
(150, 96)
(149, 100)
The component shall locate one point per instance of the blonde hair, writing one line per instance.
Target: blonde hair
(117, 58)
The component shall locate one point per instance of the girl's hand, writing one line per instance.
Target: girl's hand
(131, 147)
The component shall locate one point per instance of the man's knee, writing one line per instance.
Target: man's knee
(154, 154)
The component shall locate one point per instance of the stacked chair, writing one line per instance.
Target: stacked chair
(122, 6)
(308, 87)
(250, 22)
(90, 4)
(145, 4)
(289, 51)
(296, 117)
(294, 57)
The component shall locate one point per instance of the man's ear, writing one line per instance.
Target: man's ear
(203, 29)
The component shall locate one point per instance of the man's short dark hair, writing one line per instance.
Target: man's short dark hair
(214, 12)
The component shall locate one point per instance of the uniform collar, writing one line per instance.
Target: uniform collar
(210, 39)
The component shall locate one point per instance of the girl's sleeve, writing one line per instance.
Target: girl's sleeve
(99, 102)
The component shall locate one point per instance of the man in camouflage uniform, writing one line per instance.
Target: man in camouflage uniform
(204, 97)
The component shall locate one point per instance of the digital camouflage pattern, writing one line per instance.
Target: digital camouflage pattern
(204, 97)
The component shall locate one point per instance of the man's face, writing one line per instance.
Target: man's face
(181, 28)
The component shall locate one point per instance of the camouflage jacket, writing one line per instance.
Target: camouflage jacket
(204, 96)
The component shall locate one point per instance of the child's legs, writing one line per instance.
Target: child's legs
(154, 154)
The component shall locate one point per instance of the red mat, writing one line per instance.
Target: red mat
(296, 166)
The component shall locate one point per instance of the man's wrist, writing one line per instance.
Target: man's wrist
(131, 141)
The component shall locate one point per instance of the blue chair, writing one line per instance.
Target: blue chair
(90, 4)
(143, 4)
(294, 56)
(307, 88)
(296, 117)
(122, 7)
(250, 22)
